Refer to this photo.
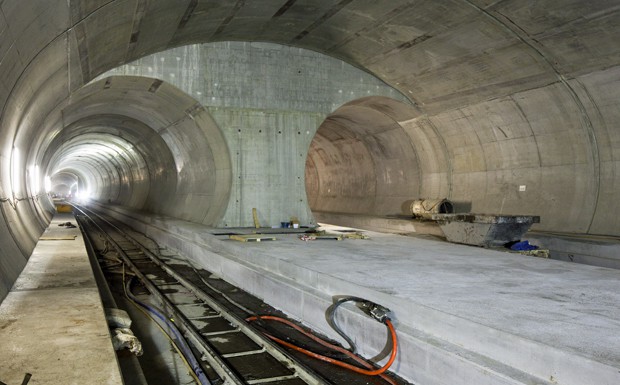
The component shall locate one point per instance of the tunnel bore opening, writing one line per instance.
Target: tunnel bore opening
(362, 161)
(149, 148)
(61, 184)
(104, 167)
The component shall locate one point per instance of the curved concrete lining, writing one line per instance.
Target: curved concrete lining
(268, 100)
(516, 103)
(361, 161)
(144, 144)
(127, 171)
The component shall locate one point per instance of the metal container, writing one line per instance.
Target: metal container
(484, 229)
(426, 208)
(63, 208)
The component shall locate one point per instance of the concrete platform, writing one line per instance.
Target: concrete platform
(465, 315)
(52, 323)
(587, 249)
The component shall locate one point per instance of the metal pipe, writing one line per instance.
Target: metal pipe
(425, 208)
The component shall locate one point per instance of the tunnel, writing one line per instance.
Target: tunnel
(229, 113)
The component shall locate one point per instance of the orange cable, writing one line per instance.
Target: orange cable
(356, 369)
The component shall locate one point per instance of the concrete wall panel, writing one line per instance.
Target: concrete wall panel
(34, 24)
(268, 100)
(104, 36)
(601, 94)
(268, 154)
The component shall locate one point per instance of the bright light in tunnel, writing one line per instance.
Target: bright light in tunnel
(48, 184)
(15, 173)
(83, 195)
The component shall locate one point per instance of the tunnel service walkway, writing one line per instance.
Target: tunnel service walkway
(52, 323)
(465, 315)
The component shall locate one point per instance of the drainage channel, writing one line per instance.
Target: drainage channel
(228, 349)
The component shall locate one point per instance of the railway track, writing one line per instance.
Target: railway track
(226, 344)
(223, 348)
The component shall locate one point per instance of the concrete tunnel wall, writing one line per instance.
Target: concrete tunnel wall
(268, 101)
(504, 93)
(158, 149)
(362, 161)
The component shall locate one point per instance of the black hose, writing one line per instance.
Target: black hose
(331, 313)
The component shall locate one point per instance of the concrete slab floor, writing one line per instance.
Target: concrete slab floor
(52, 323)
(554, 320)
(564, 305)
(509, 307)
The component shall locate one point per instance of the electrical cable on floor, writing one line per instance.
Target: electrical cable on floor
(178, 342)
(377, 312)
(314, 338)
(331, 320)
(371, 309)
(232, 301)
(350, 354)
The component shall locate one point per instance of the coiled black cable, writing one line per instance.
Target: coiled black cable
(377, 312)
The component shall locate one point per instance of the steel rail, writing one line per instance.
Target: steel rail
(209, 354)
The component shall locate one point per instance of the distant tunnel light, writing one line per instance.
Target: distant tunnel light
(48, 184)
(15, 174)
(83, 195)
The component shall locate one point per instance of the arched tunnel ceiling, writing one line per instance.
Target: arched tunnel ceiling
(514, 109)
(516, 102)
(496, 83)
(495, 47)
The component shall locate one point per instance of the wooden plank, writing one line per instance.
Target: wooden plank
(356, 235)
(255, 216)
(251, 237)
(313, 237)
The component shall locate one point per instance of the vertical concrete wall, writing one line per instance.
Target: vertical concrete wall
(533, 151)
(268, 100)
(268, 154)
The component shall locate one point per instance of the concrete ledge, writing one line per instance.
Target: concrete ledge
(519, 331)
(52, 323)
(589, 250)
